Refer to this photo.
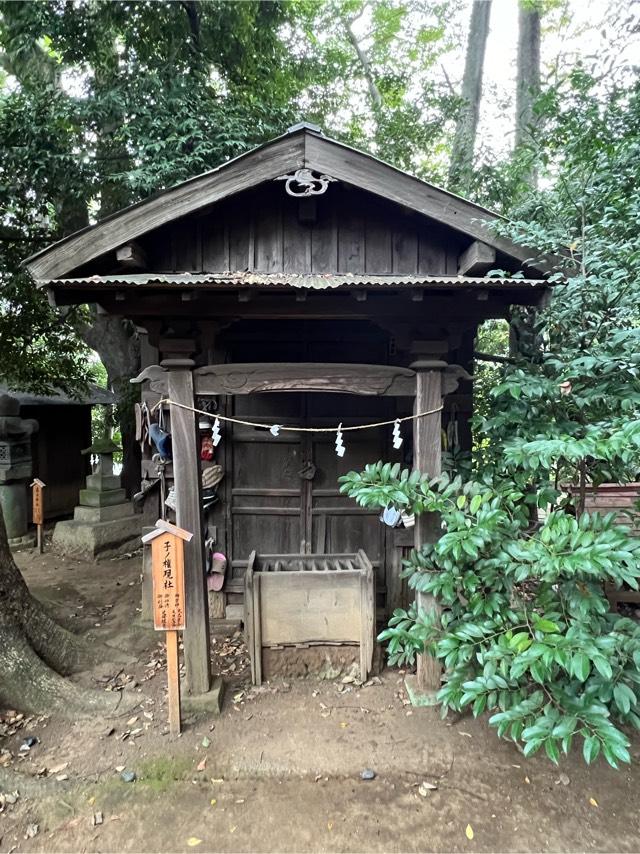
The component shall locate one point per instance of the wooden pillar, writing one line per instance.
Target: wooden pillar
(188, 487)
(427, 458)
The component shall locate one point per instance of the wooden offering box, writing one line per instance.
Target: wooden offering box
(296, 603)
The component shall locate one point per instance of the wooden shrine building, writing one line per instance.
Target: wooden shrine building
(303, 283)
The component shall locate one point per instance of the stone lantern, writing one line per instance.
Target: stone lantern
(15, 470)
(104, 524)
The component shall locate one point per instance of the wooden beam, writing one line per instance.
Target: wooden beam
(254, 378)
(188, 486)
(132, 256)
(476, 259)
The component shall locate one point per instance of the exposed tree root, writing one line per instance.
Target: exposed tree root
(28, 684)
(35, 651)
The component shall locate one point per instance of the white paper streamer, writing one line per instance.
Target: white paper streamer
(339, 444)
(216, 438)
(397, 438)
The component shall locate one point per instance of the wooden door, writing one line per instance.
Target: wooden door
(267, 510)
(336, 523)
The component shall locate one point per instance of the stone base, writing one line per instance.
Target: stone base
(102, 514)
(107, 498)
(418, 696)
(98, 540)
(16, 544)
(199, 705)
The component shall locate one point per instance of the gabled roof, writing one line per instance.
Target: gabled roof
(303, 146)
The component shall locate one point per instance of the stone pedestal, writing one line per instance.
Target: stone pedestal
(104, 524)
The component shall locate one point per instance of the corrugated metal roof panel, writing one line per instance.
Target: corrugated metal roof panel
(294, 280)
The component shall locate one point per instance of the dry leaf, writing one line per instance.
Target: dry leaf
(132, 720)
(213, 802)
(593, 802)
(344, 724)
(202, 764)
(329, 825)
(192, 841)
(57, 769)
(469, 832)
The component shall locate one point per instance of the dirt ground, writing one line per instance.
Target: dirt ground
(279, 769)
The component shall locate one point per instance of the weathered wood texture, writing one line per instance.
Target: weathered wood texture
(186, 467)
(328, 599)
(248, 378)
(352, 168)
(173, 682)
(261, 231)
(427, 459)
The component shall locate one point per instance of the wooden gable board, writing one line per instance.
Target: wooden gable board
(302, 148)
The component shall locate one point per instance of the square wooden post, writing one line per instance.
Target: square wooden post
(188, 487)
(427, 458)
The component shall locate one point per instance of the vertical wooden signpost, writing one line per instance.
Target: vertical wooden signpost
(37, 509)
(169, 615)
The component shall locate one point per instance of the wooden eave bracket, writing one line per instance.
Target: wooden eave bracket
(476, 259)
(132, 256)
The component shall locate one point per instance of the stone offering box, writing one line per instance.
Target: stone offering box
(304, 613)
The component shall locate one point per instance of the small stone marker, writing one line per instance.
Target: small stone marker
(37, 509)
(167, 572)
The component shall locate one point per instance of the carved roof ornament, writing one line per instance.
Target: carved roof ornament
(303, 182)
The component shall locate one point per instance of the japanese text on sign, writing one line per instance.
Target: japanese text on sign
(168, 582)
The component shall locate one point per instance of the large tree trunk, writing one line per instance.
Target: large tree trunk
(461, 166)
(36, 652)
(116, 342)
(528, 77)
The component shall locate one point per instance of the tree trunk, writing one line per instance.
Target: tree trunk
(36, 651)
(116, 342)
(461, 167)
(528, 77)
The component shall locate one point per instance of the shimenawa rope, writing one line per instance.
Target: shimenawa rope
(295, 429)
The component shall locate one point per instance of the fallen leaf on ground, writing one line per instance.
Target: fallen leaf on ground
(469, 832)
(57, 769)
(192, 841)
(202, 764)
(593, 802)
(206, 742)
(424, 788)
(213, 802)
(31, 831)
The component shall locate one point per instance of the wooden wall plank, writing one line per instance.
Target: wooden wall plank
(296, 239)
(268, 237)
(351, 243)
(378, 254)
(431, 255)
(215, 243)
(405, 251)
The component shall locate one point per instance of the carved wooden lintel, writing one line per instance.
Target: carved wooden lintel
(256, 378)
(313, 377)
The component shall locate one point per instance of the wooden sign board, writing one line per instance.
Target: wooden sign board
(167, 573)
(37, 503)
(37, 509)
